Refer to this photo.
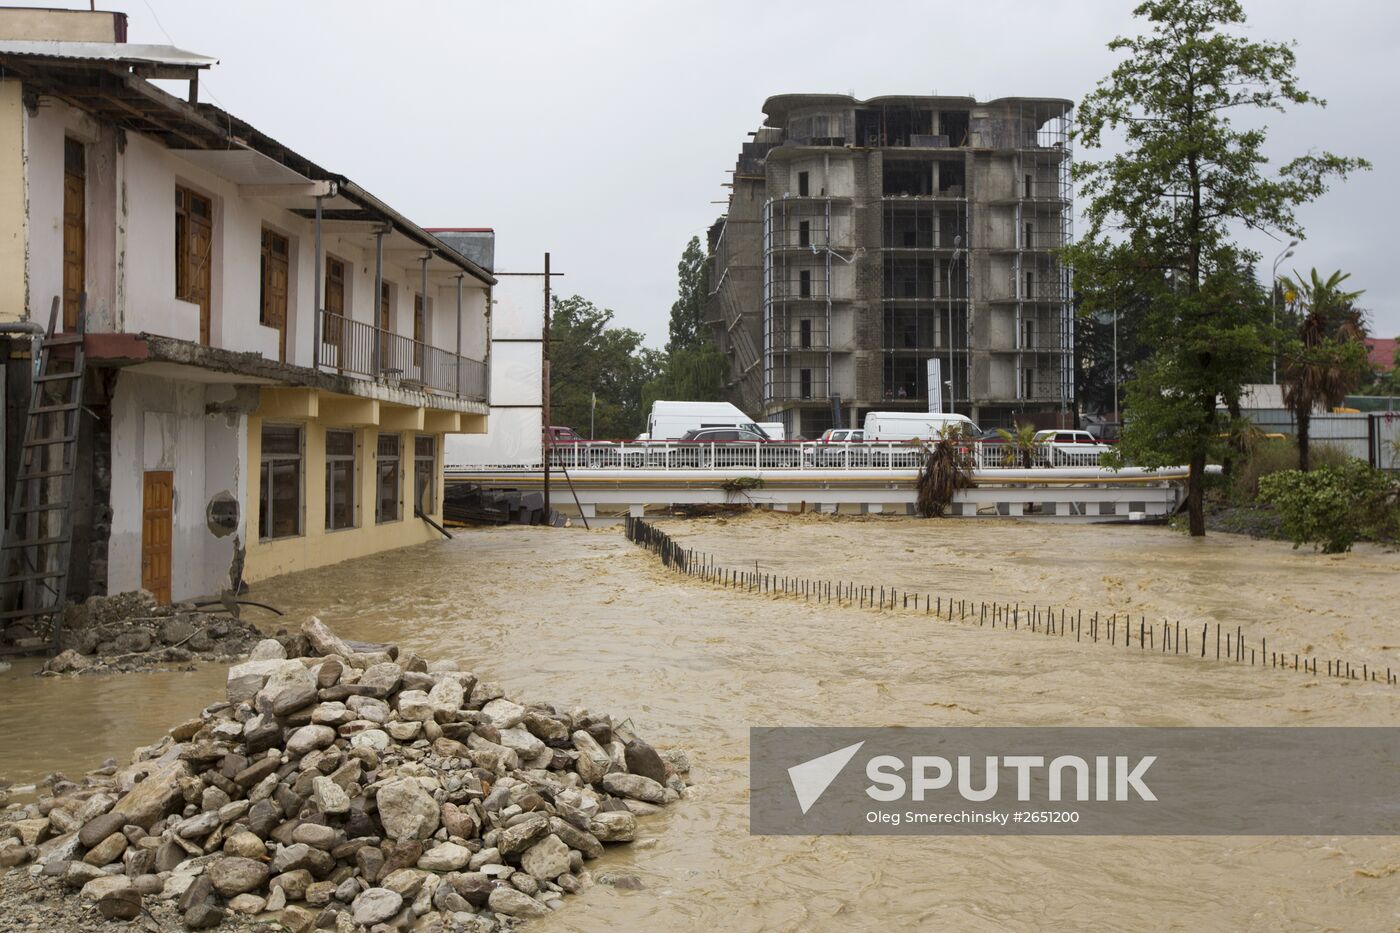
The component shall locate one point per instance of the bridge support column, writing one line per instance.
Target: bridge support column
(589, 510)
(874, 508)
(637, 511)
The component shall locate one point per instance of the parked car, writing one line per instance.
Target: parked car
(558, 433)
(720, 448)
(838, 447)
(1068, 448)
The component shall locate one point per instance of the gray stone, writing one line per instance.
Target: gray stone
(293, 698)
(513, 903)
(615, 826)
(642, 759)
(406, 810)
(516, 839)
(576, 838)
(384, 677)
(107, 851)
(204, 916)
(487, 856)
(446, 698)
(133, 642)
(376, 905)
(98, 888)
(100, 827)
(156, 796)
(197, 826)
(247, 904)
(269, 649)
(503, 713)
(78, 874)
(309, 738)
(634, 787)
(593, 761)
(474, 887)
(233, 875)
(124, 904)
(323, 640)
(447, 857)
(546, 859)
(316, 835)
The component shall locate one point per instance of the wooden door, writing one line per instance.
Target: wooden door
(274, 287)
(157, 527)
(333, 322)
(194, 252)
(74, 229)
(419, 333)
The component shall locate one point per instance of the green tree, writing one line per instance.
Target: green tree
(1327, 359)
(693, 368)
(588, 356)
(1162, 212)
(688, 328)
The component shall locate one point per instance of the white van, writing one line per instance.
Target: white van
(914, 425)
(671, 420)
(774, 430)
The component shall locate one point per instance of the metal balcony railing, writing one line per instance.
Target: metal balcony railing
(360, 349)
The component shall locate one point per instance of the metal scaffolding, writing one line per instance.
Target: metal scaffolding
(801, 243)
(1041, 281)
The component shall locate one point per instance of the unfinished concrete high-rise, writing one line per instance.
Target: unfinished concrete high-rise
(864, 238)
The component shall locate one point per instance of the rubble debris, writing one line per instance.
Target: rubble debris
(129, 632)
(347, 787)
(469, 503)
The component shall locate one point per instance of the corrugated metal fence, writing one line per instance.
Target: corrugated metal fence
(1369, 436)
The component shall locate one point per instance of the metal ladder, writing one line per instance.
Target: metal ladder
(37, 547)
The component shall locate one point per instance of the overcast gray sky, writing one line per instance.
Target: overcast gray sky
(602, 131)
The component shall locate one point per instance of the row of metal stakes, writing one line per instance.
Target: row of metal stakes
(1113, 629)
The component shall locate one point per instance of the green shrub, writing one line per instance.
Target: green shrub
(1333, 506)
(1267, 455)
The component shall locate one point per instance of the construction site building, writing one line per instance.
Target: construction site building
(864, 238)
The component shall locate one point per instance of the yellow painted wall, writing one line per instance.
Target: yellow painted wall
(317, 547)
(13, 229)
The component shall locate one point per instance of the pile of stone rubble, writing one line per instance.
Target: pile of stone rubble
(350, 790)
(130, 632)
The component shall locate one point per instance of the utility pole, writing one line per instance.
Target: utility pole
(545, 438)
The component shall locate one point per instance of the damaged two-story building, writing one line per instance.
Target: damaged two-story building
(271, 356)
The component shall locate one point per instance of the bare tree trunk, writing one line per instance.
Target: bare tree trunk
(1304, 416)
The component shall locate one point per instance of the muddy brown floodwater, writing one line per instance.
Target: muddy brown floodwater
(577, 617)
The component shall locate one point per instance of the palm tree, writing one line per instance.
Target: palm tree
(1020, 445)
(1328, 357)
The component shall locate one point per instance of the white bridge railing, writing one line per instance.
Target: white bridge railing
(799, 455)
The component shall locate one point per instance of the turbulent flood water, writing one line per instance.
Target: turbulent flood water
(571, 617)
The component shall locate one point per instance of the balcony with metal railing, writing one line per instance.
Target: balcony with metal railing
(355, 348)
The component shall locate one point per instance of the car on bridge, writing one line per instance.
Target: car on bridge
(839, 447)
(1068, 448)
(732, 447)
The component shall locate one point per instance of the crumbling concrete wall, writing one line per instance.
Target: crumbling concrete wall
(163, 424)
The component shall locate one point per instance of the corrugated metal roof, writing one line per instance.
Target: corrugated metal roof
(129, 53)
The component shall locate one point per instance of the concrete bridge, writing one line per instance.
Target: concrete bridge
(615, 479)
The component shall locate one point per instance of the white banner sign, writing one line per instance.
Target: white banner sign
(935, 386)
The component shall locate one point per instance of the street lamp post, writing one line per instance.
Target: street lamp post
(1273, 300)
(957, 250)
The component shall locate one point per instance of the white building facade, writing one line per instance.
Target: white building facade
(274, 356)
